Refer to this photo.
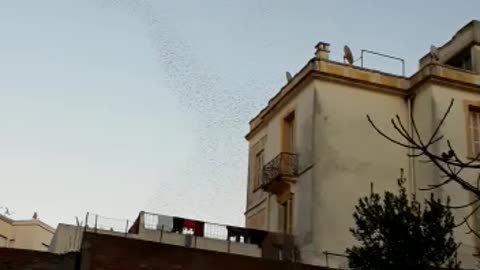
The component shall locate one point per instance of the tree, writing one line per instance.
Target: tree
(398, 233)
(448, 162)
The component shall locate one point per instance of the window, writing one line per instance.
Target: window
(286, 216)
(257, 180)
(462, 60)
(289, 133)
(474, 126)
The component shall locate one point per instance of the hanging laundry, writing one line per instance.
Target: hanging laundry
(165, 223)
(199, 228)
(256, 236)
(237, 233)
(178, 225)
(196, 226)
(189, 224)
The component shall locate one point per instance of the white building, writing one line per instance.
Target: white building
(312, 153)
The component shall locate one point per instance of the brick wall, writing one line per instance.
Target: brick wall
(106, 252)
(19, 259)
(109, 252)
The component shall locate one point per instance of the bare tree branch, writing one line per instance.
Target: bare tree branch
(472, 230)
(448, 163)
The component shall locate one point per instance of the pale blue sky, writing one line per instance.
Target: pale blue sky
(114, 106)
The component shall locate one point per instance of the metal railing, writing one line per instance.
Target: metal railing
(97, 222)
(383, 55)
(283, 165)
(152, 221)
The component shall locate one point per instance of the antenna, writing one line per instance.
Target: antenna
(347, 55)
(434, 53)
(289, 76)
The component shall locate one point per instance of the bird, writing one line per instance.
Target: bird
(434, 53)
(289, 76)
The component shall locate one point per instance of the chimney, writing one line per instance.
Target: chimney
(322, 50)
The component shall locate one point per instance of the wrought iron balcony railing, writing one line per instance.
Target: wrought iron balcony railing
(283, 167)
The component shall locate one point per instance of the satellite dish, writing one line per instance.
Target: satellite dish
(347, 55)
(289, 76)
(434, 53)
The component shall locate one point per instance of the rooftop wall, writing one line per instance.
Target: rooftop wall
(110, 252)
(20, 259)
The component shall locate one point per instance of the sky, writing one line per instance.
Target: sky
(118, 106)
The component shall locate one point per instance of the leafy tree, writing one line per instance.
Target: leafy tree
(399, 233)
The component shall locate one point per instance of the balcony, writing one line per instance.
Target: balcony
(279, 172)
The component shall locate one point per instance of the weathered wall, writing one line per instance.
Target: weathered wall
(31, 236)
(256, 198)
(269, 139)
(19, 259)
(6, 232)
(109, 252)
(350, 155)
(25, 234)
(455, 129)
(67, 238)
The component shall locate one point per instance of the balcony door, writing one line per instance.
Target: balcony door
(288, 133)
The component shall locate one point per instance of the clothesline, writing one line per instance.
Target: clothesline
(203, 229)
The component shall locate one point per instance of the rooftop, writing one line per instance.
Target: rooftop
(366, 79)
(27, 222)
(179, 231)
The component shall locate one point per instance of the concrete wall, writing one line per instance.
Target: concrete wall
(257, 199)
(68, 238)
(269, 139)
(26, 234)
(455, 129)
(349, 155)
(6, 232)
(32, 236)
(109, 252)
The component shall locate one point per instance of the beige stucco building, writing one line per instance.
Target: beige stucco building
(313, 154)
(25, 234)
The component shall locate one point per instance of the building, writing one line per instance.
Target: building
(30, 234)
(313, 154)
(177, 231)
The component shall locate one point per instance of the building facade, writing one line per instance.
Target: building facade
(313, 154)
(30, 234)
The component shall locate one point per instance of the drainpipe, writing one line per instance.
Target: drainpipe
(314, 183)
(411, 159)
